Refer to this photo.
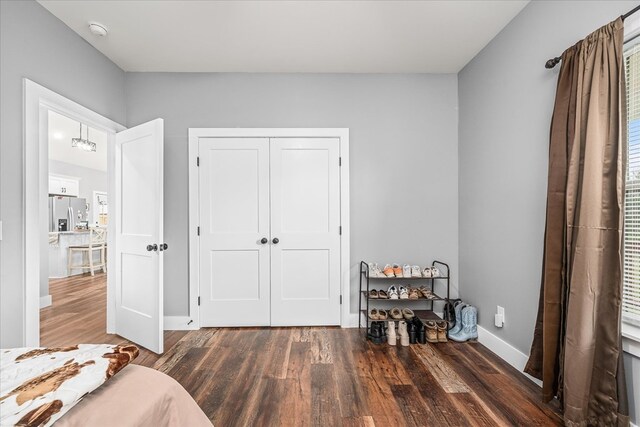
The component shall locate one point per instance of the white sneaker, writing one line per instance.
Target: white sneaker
(374, 270)
(426, 272)
(406, 270)
(415, 271)
(392, 292)
(404, 293)
(435, 272)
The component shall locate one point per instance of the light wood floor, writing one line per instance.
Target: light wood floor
(314, 376)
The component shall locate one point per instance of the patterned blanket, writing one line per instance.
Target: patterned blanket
(39, 385)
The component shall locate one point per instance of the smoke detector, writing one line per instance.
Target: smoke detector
(97, 29)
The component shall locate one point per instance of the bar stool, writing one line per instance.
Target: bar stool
(97, 242)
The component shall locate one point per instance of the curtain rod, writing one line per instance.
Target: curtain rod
(555, 61)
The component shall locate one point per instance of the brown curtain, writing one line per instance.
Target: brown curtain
(576, 349)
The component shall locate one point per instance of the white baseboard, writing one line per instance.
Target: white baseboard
(505, 351)
(351, 321)
(45, 301)
(178, 323)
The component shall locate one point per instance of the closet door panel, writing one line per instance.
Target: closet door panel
(234, 217)
(305, 218)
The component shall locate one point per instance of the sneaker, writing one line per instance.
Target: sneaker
(397, 270)
(427, 272)
(435, 272)
(388, 271)
(404, 294)
(374, 270)
(382, 294)
(415, 271)
(406, 270)
(392, 292)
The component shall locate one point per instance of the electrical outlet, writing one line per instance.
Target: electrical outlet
(499, 317)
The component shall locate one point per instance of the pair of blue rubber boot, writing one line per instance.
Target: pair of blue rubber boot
(466, 327)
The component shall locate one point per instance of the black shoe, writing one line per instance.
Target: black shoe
(377, 334)
(412, 333)
(421, 333)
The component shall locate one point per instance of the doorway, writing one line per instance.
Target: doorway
(269, 236)
(130, 153)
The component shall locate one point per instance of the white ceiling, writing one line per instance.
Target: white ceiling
(289, 36)
(62, 129)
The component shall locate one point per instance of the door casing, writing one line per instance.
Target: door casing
(347, 319)
(38, 100)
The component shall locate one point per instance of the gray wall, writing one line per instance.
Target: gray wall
(506, 102)
(404, 157)
(36, 45)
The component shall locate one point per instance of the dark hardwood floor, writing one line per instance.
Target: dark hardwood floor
(314, 376)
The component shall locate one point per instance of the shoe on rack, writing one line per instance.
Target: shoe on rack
(435, 272)
(382, 315)
(376, 333)
(404, 334)
(442, 330)
(396, 313)
(392, 292)
(427, 272)
(411, 329)
(373, 294)
(388, 271)
(469, 331)
(414, 293)
(432, 331)
(458, 306)
(421, 332)
(392, 338)
(397, 270)
(408, 314)
(374, 270)
(406, 270)
(382, 294)
(404, 294)
(415, 271)
(373, 314)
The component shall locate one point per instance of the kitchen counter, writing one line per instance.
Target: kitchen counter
(59, 253)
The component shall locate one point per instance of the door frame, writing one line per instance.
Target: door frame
(347, 319)
(38, 101)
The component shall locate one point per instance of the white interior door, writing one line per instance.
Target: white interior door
(305, 227)
(234, 231)
(139, 237)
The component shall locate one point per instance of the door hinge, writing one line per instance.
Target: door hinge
(198, 161)
(339, 161)
(340, 299)
(198, 230)
(340, 230)
(198, 300)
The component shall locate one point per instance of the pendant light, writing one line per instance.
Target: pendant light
(84, 144)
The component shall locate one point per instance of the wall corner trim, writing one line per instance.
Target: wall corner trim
(505, 351)
(179, 323)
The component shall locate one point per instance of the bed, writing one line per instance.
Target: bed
(78, 386)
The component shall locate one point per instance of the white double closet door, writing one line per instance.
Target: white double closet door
(269, 247)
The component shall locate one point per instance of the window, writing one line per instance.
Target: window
(631, 271)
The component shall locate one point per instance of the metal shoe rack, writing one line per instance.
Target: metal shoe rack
(385, 282)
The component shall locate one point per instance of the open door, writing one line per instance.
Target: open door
(139, 237)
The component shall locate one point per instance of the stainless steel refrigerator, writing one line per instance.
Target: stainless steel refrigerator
(65, 213)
